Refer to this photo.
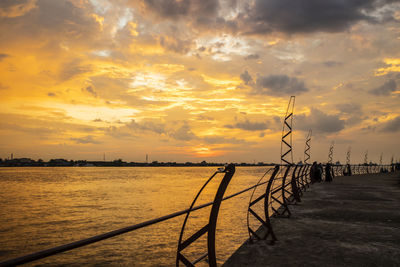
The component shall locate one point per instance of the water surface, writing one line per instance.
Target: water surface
(45, 207)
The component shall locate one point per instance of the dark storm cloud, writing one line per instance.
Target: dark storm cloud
(207, 15)
(319, 122)
(278, 85)
(385, 89)
(246, 77)
(202, 12)
(305, 16)
(248, 126)
(168, 8)
(262, 17)
(392, 125)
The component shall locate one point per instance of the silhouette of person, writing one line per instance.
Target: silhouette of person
(349, 170)
(328, 173)
(319, 172)
(313, 172)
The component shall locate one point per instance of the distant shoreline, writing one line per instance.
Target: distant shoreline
(26, 162)
(210, 165)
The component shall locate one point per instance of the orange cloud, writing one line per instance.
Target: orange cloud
(392, 65)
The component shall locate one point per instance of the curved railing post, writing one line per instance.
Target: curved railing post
(341, 170)
(280, 211)
(309, 174)
(266, 207)
(336, 170)
(212, 223)
(295, 188)
(302, 177)
(298, 179)
(307, 178)
(264, 223)
(229, 171)
(284, 183)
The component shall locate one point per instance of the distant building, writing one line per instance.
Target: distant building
(59, 162)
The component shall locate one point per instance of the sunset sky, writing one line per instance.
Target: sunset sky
(195, 80)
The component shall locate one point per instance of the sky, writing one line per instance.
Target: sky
(187, 80)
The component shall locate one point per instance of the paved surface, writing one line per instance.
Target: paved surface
(354, 221)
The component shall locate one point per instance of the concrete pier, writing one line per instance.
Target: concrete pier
(353, 221)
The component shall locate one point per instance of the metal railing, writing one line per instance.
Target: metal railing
(279, 191)
(282, 189)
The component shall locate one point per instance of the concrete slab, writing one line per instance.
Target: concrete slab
(353, 221)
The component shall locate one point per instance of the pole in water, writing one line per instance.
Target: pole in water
(286, 143)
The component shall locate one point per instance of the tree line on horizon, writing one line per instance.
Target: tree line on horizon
(27, 162)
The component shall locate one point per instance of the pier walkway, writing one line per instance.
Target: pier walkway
(354, 221)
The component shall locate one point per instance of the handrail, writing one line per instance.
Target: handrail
(276, 198)
(265, 223)
(301, 180)
(210, 227)
(259, 183)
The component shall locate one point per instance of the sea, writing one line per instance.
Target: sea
(44, 207)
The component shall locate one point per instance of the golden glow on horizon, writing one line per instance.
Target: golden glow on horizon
(202, 152)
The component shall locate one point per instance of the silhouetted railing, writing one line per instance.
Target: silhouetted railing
(285, 185)
(343, 170)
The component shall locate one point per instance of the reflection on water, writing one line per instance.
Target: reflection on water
(46, 207)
